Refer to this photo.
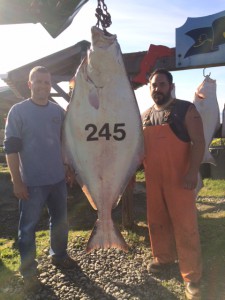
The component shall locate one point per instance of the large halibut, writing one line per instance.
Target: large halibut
(102, 134)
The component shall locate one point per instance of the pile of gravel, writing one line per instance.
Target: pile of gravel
(103, 275)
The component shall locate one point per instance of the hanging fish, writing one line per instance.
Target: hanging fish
(206, 103)
(102, 134)
(223, 123)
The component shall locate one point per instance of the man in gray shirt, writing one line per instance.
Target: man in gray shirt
(34, 156)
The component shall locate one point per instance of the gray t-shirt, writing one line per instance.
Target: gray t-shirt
(39, 130)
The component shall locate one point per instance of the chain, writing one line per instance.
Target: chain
(102, 15)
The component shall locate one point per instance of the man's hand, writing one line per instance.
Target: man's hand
(190, 181)
(20, 191)
(70, 176)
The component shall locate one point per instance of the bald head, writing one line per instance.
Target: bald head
(39, 69)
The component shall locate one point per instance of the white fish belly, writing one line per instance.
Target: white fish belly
(105, 144)
(103, 131)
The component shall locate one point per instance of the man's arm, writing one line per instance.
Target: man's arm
(195, 130)
(19, 188)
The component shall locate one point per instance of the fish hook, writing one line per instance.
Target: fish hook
(204, 73)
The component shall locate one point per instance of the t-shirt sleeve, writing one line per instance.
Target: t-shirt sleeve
(13, 140)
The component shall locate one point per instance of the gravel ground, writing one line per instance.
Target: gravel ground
(102, 275)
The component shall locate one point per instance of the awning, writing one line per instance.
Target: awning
(54, 15)
(62, 65)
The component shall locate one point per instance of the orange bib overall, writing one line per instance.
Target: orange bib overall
(171, 209)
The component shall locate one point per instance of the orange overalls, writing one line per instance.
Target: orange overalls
(171, 209)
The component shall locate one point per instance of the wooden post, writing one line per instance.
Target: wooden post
(127, 205)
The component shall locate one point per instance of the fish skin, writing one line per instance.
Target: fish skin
(205, 100)
(103, 102)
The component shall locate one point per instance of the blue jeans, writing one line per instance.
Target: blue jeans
(55, 198)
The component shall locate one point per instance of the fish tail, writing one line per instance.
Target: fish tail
(106, 235)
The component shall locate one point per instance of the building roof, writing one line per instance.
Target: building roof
(62, 66)
(7, 99)
(54, 15)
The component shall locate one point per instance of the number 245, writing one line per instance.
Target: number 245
(119, 133)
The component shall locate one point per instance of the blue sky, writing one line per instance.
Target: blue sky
(137, 25)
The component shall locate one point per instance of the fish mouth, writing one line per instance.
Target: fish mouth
(101, 39)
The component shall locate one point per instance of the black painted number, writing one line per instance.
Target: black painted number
(119, 133)
(91, 136)
(105, 132)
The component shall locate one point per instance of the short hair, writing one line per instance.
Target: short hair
(162, 71)
(40, 69)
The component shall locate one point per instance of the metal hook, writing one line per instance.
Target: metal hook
(204, 73)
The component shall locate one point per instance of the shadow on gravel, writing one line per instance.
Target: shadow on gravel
(5, 274)
(7, 279)
(84, 287)
(171, 271)
(213, 286)
(47, 292)
(78, 279)
(148, 291)
(212, 233)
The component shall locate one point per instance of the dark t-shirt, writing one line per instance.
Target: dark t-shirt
(174, 115)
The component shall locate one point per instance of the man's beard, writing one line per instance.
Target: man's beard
(161, 99)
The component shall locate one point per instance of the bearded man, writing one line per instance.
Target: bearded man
(174, 148)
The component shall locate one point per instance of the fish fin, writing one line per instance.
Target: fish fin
(93, 98)
(88, 195)
(106, 235)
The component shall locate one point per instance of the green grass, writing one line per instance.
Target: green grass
(4, 169)
(218, 142)
(9, 255)
(213, 188)
(212, 234)
(140, 176)
(9, 260)
(4, 172)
